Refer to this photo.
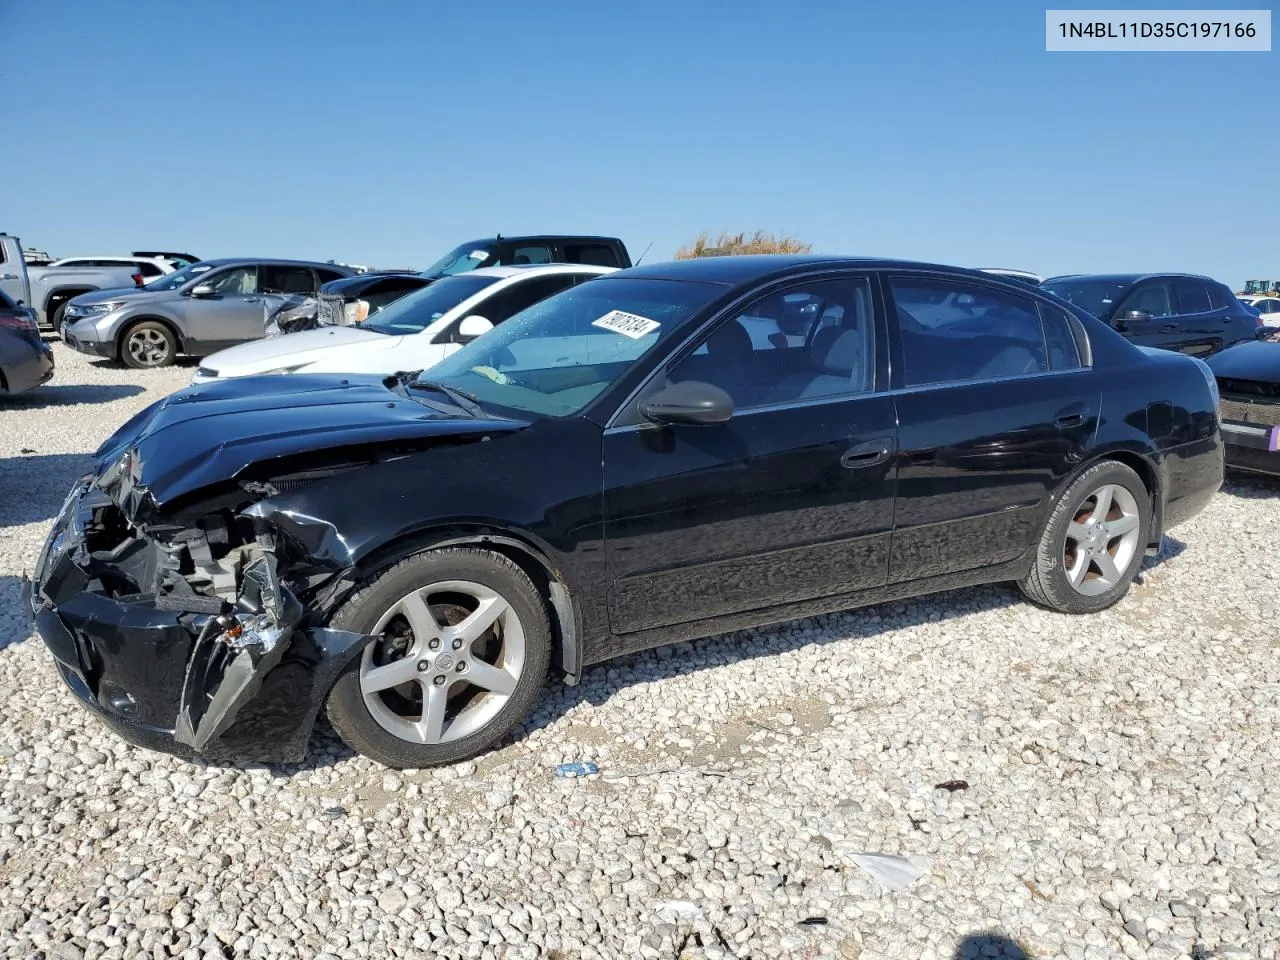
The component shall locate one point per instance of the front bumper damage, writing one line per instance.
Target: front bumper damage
(179, 644)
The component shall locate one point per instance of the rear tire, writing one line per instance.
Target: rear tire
(463, 630)
(147, 344)
(1093, 543)
(56, 320)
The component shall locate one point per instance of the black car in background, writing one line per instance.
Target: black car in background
(26, 361)
(660, 454)
(503, 251)
(1249, 383)
(1173, 311)
(353, 300)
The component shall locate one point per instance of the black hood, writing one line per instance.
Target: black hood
(212, 432)
(1253, 360)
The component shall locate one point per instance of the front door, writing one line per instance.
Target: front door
(1149, 316)
(232, 313)
(791, 499)
(994, 410)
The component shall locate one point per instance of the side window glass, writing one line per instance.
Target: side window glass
(811, 341)
(148, 269)
(1219, 296)
(1059, 339)
(327, 276)
(281, 279)
(1192, 296)
(1152, 298)
(522, 296)
(595, 254)
(526, 254)
(953, 331)
(241, 280)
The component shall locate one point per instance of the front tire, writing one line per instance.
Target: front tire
(1093, 543)
(463, 651)
(147, 344)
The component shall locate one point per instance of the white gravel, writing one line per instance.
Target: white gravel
(1122, 774)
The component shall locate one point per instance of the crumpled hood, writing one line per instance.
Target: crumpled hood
(209, 433)
(1252, 360)
(293, 349)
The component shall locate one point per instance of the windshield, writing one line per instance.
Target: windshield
(461, 259)
(559, 355)
(1097, 295)
(178, 278)
(420, 309)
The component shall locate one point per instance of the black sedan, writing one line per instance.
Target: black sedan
(25, 359)
(1172, 311)
(661, 454)
(1249, 381)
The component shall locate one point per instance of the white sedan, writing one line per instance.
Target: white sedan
(1268, 306)
(412, 333)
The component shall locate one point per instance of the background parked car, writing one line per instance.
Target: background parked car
(1268, 308)
(25, 359)
(1026, 276)
(414, 333)
(1249, 383)
(48, 289)
(503, 251)
(1174, 311)
(197, 310)
(178, 259)
(352, 300)
(145, 268)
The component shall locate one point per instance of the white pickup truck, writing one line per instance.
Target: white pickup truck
(48, 289)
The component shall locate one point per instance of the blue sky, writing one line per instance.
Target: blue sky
(384, 132)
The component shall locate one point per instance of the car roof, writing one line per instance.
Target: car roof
(534, 269)
(1130, 277)
(753, 268)
(228, 261)
(503, 238)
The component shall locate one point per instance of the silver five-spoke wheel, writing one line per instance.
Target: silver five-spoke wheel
(148, 347)
(450, 656)
(1101, 539)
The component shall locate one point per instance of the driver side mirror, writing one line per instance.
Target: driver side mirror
(203, 290)
(689, 402)
(472, 327)
(1121, 320)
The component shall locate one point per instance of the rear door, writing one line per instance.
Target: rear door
(788, 501)
(995, 408)
(1202, 326)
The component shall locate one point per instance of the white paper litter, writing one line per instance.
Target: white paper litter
(894, 873)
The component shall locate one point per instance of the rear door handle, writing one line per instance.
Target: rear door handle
(251, 300)
(867, 454)
(1170, 326)
(1069, 420)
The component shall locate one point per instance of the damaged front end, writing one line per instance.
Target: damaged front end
(185, 637)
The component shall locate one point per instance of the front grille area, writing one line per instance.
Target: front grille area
(1249, 388)
(1246, 410)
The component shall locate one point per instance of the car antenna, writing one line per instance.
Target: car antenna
(642, 256)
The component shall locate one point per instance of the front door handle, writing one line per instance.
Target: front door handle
(867, 454)
(1069, 420)
(252, 300)
(1170, 326)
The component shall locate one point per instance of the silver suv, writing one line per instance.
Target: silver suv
(198, 310)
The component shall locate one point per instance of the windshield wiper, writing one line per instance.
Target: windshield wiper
(460, 398)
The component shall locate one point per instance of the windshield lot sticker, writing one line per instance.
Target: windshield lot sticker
(477, 254)
(628, 324)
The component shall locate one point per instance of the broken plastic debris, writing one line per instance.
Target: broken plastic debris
(894, 873)
(583, 769)
(813, 922)
(952, 785)
(673, 911)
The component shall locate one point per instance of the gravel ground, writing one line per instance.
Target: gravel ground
(1121, 778)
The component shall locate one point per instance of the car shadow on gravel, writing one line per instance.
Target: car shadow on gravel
(103, 363)
(13, 629)
(1251, 486)
(54, 395)
(983, 945)
(33, 487)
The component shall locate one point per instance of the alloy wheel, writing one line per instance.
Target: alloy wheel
(148, 347)
(449, 657)
(1101, 540)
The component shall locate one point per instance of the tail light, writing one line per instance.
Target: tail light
(138, 279)
(19, 320)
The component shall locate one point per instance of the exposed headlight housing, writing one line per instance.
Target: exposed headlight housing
(293, 369)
